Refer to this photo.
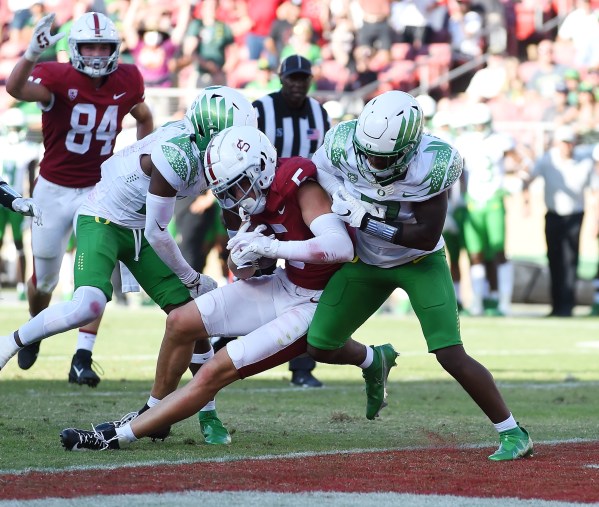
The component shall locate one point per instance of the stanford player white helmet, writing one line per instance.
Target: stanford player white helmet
(240, 165)
(94, 27)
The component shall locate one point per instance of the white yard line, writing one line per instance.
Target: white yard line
(265, 499)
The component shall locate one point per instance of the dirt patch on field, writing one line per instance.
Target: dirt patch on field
(556, 472)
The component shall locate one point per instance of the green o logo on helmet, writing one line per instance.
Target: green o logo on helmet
(209, 114)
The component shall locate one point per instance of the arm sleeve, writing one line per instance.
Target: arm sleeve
(159, 211)
(7, 194)
(325, 173)
(331, 243)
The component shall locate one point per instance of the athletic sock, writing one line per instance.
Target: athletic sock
(509, 424)
(369, 358)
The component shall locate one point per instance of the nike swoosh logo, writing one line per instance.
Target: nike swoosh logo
(281, 211)
(78, 371)
(346, 214)
(313, 300)
(161, 228)
(407, 194)
(117, 97)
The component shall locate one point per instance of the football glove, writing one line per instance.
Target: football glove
(28, 208)
(42, 39)
(244, 258)
(264, 246)
(351, 210)
(243, 237)
(200, 285)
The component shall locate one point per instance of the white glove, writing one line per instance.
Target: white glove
(28, 208)
(200, 285)
(243, 238)
(41, 38)
(244, 258)
(265, 246)
(351, 210)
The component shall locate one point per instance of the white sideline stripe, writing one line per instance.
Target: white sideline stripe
(230, 458)
(262, 499)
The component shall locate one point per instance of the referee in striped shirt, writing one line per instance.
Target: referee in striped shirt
(296, 125)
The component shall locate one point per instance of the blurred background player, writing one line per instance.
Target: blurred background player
(484, 152)
(18, 163)
(83, 104)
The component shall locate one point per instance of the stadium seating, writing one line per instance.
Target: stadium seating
(244, 72)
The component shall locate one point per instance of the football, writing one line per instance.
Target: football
(267, 232)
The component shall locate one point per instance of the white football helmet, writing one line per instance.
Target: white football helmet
(14, 125)
(94, 27)
(428, 105)
(480, 118)
(240, 165)
(389, 130)
(215, 109)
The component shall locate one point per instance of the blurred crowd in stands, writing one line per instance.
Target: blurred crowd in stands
(530, 59)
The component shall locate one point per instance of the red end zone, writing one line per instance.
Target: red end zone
(565, 472)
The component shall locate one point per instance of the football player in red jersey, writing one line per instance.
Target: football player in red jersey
(270, 313)
(83, 104)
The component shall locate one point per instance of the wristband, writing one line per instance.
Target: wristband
(31, 56)
(381, 230)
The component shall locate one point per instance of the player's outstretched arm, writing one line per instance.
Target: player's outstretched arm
(18, 84)
(160, 207)
(11, 199)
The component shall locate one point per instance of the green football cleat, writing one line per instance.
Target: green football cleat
(513, 444)
(375, 377)
(212, 428)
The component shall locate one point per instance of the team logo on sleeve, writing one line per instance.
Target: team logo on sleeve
(73, 93)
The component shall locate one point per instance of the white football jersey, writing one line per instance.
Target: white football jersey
(434, 169)
(484, 164)
(120, 196)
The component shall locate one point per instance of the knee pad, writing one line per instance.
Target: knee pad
(90, 300)
(87, 304)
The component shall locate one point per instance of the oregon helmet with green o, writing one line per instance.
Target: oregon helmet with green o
(215, 109)
(387, 135)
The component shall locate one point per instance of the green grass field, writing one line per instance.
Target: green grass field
(547, 369)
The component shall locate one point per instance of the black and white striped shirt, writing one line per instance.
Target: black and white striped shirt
(293, 132)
